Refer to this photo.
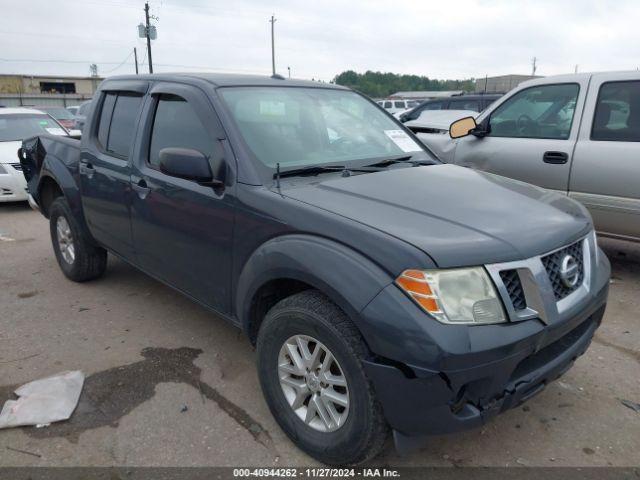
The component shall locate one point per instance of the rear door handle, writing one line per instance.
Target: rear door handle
(555, 158)
(86, 169)
(141, 189)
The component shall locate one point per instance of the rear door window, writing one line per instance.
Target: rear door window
(123, 124)
(617, 114)
(399, 104)
(105, 118)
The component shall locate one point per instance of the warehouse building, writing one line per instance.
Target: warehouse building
(18, 90)
(501, 83)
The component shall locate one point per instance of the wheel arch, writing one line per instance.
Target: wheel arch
(289, 264)
(57, 180)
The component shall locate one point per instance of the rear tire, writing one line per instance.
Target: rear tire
(361, 432)
(77, 257)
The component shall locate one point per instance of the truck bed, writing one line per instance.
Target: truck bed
(57, 151)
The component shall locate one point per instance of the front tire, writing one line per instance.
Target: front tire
(310, 367)
(77, 257)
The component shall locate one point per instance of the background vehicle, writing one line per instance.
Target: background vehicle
(575, 134)
(63, 116)
(383, 289)
(81, 114)
(16, 124)
(73, 109)
(476, 103)
(432, 127)
(395, 106)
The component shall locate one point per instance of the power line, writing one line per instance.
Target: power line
(64, 37)
(121, 64)
(31, 60)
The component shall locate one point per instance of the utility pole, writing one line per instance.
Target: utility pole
(146, 15)
(534, 67)
(575, 70)
(273, 48)
(135, 56)
(289, 69)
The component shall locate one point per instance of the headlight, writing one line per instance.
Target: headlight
(455, 296)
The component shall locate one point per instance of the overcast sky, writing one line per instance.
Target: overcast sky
(320, 38)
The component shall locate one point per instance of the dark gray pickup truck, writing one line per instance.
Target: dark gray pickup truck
(384, 291)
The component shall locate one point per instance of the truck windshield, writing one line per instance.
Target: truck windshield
(311, 126)
(21, 126)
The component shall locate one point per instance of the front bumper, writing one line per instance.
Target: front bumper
(448, 378)
(13, 186)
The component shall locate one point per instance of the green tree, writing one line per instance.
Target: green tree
(383, 84)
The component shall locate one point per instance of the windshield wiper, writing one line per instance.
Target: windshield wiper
(407, 159)
(317, 169)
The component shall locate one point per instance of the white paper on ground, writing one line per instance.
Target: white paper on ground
(43, 401)
(402, 140)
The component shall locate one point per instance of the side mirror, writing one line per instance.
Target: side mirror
(462, 128)
(188, 164)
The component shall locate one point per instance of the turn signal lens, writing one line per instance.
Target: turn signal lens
(454, 296)
(415, 283)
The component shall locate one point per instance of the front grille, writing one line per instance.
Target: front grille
(512, 283)
(17, 166)
(553, 264)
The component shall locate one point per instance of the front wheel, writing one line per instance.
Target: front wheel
(310, 367)
(78, 259)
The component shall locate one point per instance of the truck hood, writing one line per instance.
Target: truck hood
(458, 216)
(9, 152)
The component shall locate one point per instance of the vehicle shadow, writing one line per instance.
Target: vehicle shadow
(624, 257)
(13, 207)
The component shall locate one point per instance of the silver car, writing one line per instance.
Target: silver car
(576, 134)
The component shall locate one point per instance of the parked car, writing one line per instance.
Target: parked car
(63, 116)
(73, 109)
(432, 127)
(17, 124)
(574, 134)
(476, 103)
(81, 114)
(383, 290)
(394, 106)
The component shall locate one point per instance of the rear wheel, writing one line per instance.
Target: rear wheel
(79, 260)
(310, 367)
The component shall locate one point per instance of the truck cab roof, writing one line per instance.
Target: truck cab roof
(229, 80)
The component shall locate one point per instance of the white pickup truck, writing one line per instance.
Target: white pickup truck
(576, 134)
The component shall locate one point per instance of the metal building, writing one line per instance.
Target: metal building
(501, 83)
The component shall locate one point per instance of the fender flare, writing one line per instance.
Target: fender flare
(347, 277)
(55, 170)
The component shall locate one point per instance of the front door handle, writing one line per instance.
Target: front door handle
(555, 158)
(141, 189)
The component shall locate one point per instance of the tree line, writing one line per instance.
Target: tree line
(381, 85)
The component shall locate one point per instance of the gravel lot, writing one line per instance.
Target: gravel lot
(169, 384)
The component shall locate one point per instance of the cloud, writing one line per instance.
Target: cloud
(322, 38)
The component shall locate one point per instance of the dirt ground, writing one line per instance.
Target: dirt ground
(169, 384)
